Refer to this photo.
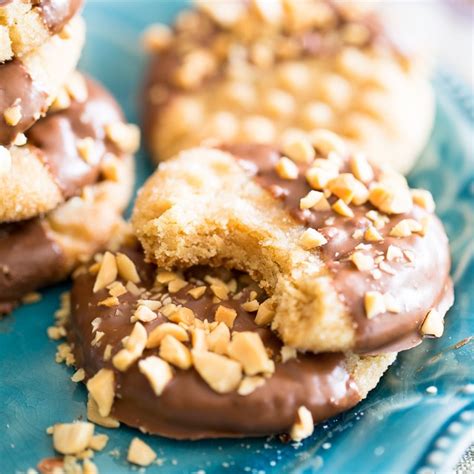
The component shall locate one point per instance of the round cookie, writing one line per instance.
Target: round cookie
(31, 83)
(180, 355)
(65, 151)
(26, 25)
(44, 250)
(247, 71)
(354, 259)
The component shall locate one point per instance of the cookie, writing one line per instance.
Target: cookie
(180, 355)
(247, 71)
(354, 259)
(26, 25)
(44, 250)
(30, 84)
(65, 151)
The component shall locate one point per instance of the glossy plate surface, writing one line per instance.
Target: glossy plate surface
(401, 427)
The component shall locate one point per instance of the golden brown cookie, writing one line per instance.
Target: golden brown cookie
(245, 71)
(354, 259)
(32, 82)
(181, 355)
(44, 250)
(82, 135)
(27, 24)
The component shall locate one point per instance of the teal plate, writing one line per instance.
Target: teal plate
(402, 427)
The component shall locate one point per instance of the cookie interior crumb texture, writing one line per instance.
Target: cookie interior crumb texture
(249, 71)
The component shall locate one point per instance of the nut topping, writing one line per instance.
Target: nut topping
(303, 426)
(107, 272)
(157, 335)
(433, 325)
(72, 438)
(102, 389)
(225, 315)
(157, 371)
(223, 375)
(175, 352)
(247, 348)
(374, 304)
(126, 268)
(311, 239)
(140, 453)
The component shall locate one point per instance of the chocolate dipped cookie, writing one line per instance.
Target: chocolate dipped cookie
(353, 258)
(245, 71)
(184, 355)
(27, 24)
(83, 134)
(29, 85)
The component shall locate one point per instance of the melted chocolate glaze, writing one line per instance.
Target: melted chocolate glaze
(28, 259)
(56, 13)
(17, 88)
(417, 286)
(57, 134)
(188, 407)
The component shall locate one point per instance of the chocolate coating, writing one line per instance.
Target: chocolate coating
(418, 286)
(18, 88)
(188, 407)
(56, 136)
(28, 259)
(56, 13)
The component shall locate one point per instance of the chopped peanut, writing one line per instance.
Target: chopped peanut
(140, 453)
(219, 338)
(175, 352)
(433, 325)
(265, 313)
(126, 268)
(286, 168)
(225, 315)
(157, 371)
(157, 335)
(374, 304)
(223, 375)
(72, 438)
(247, 348)
(303, 426)
(107, 272)
(311, 239)
(182, 315)
(102, 389)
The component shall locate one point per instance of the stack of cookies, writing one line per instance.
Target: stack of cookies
(66, 166)
(278, 264)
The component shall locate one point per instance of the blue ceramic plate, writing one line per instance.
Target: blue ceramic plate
(402, 427)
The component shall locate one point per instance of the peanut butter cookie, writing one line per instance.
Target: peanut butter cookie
(245, 71)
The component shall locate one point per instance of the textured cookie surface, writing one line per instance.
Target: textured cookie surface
(247, 71)
(27, 24)
(65, 151)
(353, 258)
(41, 251)
(181, 355)
(31, 83)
